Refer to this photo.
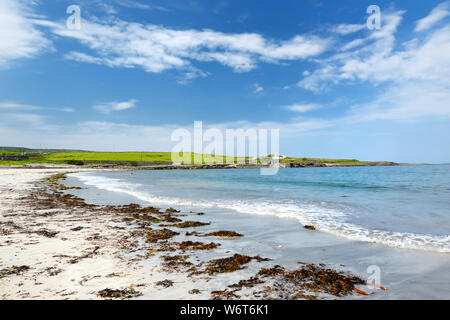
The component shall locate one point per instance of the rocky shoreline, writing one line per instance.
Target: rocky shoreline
(301, 164)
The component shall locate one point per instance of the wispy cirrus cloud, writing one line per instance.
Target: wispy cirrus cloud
(437, 14)
(139, 5)
(109, 107)
(345, 29)
(23, 117)
(117, 43)
(375, 58)
(415, 74)
(13, 106)
(19, 37)
(301, 108)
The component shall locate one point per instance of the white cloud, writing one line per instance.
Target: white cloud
(115, 106)
(375, 59)
(190, 74)
(28, 118)
(102, 136)
(345, 29)
(301, 107)
(19, 37)
(363, 63)
(8, 105)
(139, 5)
(413, 76)
(437, 14)
(405, 102)
(257, 88)
(117, 43)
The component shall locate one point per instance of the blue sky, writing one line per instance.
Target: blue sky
(137, 70)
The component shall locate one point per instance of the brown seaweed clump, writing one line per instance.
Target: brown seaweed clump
(270, 272)
(176, 262)
(315, 279)
(165, 283)
(17, 270)
(309, 227)
(192, 224)
(195, 245)
(194, 291)
(193, 233)
(115, 294)
(134, 208)
(224, 295)
(162, 234)
(223, 233)
(46, 233)
(248, 283)
(230, 264)
(186, 246)
(147, 218)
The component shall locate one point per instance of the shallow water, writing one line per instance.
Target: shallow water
(407, 206)
(397, 218)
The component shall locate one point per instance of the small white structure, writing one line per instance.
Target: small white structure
(276, 156)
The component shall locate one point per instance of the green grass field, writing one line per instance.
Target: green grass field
(129, 157)
(133, 158)
(9, 153)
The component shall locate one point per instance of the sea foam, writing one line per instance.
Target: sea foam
(323, 217)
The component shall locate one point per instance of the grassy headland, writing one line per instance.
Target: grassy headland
(11, 156)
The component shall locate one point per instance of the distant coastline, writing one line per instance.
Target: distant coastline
(23, 157)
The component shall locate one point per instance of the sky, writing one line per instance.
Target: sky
(135, 71)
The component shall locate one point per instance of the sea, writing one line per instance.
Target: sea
(396, 218)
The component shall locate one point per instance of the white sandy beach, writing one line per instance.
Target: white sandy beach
(73, 252)
(105, 254)
(51, 276)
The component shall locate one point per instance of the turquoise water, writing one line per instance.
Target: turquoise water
(404, 207)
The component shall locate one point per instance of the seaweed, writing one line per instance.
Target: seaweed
(171, 219)
(270, 272)
(193, 233)
(192, 224)
(84, 256)
(195, 245)
(147, 218)
(224, 295)
(249, 283)
(194, 291)
(165, 283)
(223, 233)
(315, 279)
(171, 263)
(17, 270)
(309, 227)
(229, 264)
(163, 234)
(133, 208)
(114, 294)
(52, 271)
(46, 233)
